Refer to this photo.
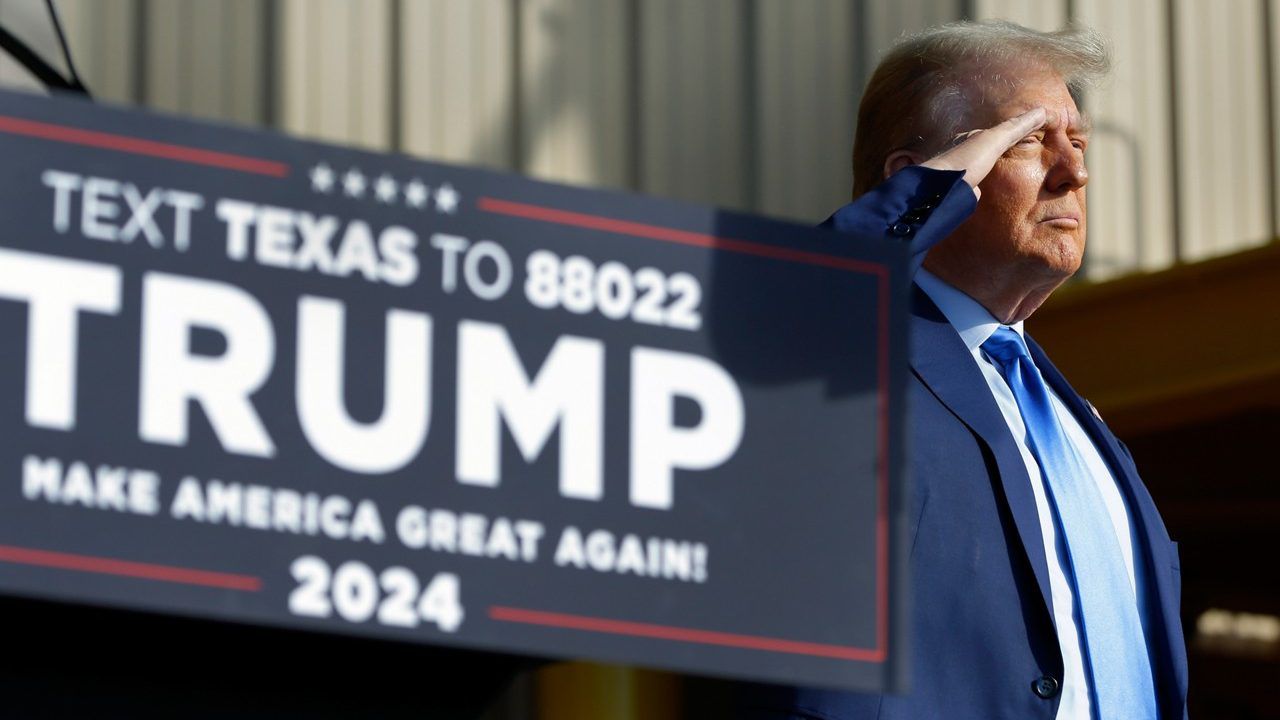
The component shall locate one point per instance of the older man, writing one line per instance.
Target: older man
(1044, 582)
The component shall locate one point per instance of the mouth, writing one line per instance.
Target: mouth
(1064, 222)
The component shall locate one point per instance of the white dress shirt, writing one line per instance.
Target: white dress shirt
(975, 324)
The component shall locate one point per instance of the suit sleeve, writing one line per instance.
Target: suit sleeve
(916, 205)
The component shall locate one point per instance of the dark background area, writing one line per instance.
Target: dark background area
(73, 661)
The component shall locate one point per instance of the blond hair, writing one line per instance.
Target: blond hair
(926, 87)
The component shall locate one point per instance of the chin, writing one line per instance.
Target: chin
(1060, 258)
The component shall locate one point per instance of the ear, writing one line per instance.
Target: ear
(899, 159)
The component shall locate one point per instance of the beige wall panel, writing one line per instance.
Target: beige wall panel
(336, 70)
(693, 102)
(249, 61)
(296, 97)
(806, 94)
(1131, 222)
(1273, 7)
(886, 21)
(166, 56)
(576, 119)
(372, 74)
(208, 44)
(1222, 142)
(110, 63)
(205, 58)
(458, 80)
(1038, 14)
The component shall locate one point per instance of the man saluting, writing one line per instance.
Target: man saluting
(1044, 583)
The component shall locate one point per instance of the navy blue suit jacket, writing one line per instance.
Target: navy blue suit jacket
(981, 626)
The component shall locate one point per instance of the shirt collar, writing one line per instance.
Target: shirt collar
(973, 321)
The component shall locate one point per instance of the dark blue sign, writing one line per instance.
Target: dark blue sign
(250, 378)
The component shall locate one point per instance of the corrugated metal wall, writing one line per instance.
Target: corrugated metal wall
(747, 104)
(1133, 183)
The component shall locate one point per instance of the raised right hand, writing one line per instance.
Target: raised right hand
(978, 153)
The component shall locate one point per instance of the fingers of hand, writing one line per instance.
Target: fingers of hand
(977, 150)
(983, 149)
(1004, 134)
(1019, 126)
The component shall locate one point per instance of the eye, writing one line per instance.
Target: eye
(1080, 144)
(1031, 139)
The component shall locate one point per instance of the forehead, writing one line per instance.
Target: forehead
(1001, 96)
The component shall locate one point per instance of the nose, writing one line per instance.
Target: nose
(1067, 171)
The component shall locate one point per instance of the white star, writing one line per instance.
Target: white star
(385, 188)
(353, 183)
(446, 199)
(321, 178)
(415, 193)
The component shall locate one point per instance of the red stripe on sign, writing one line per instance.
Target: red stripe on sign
(138, 146)
(882, 467)
(691, 635)
(126, 568)
(672, 235)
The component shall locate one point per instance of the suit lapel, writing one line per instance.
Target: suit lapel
(943, 363)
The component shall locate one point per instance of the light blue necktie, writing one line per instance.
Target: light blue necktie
(1115, 649)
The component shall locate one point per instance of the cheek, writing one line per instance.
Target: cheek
(1001, 213)
(1025, 182)
(1014, 186)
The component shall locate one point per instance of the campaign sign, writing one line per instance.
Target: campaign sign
(254, 379)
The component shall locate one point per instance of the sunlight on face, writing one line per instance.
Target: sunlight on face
(1029, 226)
